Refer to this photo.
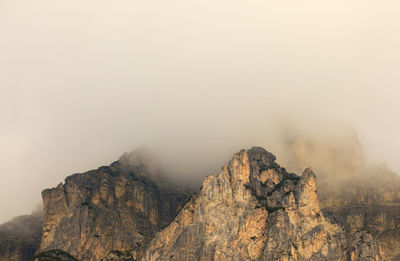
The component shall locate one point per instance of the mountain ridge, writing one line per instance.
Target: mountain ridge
(130, 210)
(255, 210)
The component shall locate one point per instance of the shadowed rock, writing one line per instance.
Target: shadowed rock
(53, 255)
(20, 237)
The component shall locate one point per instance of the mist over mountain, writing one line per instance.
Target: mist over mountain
(122, 118)
(121, 210)
(20, 237)
(83, 82)
(124, 211)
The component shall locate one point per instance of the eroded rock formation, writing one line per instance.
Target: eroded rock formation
(255, 210)
(115, 208)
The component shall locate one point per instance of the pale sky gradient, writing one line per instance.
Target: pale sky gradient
(83, 81)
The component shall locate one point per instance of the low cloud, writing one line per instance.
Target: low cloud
(83, 82)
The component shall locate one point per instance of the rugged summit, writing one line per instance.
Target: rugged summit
(255, 210)
(115, 208)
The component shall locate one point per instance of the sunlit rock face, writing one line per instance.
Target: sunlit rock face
(115, 208)
(20, 237)
(352, 192)
(255, 210)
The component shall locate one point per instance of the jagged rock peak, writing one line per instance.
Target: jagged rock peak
(259, 153)
(255, 210)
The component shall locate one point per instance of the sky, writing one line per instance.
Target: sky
(81, 82)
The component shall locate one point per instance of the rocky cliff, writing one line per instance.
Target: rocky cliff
(352, 192)
(255, 210)
(20, 237)
(115, 208)
(371, 204)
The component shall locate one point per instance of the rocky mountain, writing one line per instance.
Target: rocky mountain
(352, 192)
(372, 204)
(20, 237)
(115, 208)
(255, 210)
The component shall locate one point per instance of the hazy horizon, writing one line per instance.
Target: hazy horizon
(83, 82)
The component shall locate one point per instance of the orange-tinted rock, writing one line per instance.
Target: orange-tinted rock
(255, 210)
(114, 208)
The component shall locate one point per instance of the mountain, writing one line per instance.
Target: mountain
(371, 203)
(255, 210)
(114, 208)
(20, 237)
(352, 191)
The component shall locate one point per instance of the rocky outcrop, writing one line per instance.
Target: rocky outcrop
(371, 205)
(20, 237)
(352, 192)
(255, 210)
(115, 208)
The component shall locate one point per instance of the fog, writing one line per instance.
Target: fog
(81, 82)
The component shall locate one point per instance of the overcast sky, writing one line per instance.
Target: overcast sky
(81, 82)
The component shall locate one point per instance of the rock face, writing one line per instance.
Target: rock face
(255, 210)
(351, 192)
(20, 237)
(114, 208)
(372, 205)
